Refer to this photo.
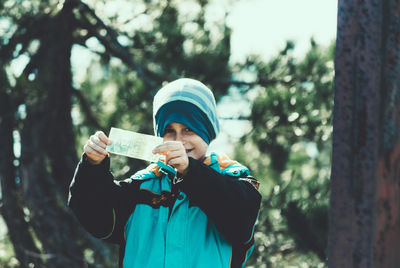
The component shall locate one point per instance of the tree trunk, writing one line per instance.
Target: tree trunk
(48, 156)
(365, 193)
(44, 147)
(12, 204)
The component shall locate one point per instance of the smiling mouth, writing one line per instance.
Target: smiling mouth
(188, 150)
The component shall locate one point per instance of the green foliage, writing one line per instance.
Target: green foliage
(128, 63)
(7, 258)
(167, 50)
(288, 150)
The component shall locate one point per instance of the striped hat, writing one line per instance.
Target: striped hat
(189, 102)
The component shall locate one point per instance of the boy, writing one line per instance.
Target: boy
(201, 216)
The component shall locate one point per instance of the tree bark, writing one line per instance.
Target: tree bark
(365, 193)
(12, 204)
(48, 156)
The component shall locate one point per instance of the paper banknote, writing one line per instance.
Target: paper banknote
(133, 144)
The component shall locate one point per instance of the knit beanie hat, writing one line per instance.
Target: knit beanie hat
(189, 102)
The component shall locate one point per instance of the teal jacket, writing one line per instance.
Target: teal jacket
(207, 220)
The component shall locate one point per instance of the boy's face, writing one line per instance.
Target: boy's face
(195, 146)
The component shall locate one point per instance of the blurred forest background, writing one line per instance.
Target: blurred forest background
(48, 110)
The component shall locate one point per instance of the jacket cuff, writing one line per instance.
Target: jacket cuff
(105, 164)
(91, 176)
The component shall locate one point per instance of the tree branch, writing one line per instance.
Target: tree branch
(94, 25)
(85, 107)
(243, 118)
(263, 82)
(11, 206)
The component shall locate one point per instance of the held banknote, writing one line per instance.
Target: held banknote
(133, 144)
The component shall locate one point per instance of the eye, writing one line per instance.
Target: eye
(168, 130)
(188, 131)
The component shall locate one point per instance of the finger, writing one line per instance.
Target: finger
(95, 139)
(177, 160)
(180, 164)
(159, 149)
(175, 154)
(103, 137)
(178, 157)
(97, 148)
(93, 154)
(168, 146)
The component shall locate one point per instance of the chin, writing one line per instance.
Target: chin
(197, 157)
(191, 155)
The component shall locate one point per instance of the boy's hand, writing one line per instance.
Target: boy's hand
(175, 155)
(95, 147)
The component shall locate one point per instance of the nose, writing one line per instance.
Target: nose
(179, 137)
